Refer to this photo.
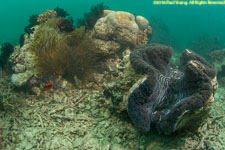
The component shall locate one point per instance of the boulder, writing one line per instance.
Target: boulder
(117, 26)
(21, 79)
(142, 22)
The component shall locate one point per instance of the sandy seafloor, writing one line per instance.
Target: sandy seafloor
(85, 119)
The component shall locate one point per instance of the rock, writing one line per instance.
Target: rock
(106, 12)
(120, 30)
(118, 26)
(217, 58)
(36, 90)
(169, 98)
(142, 22)
(46, 15)
(107, 47)
(18, 68)
(69, 114)
(64, 84)
(149, 31)
(23, 64)
(21, 79)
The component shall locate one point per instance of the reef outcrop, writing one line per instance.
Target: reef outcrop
(112, 34)
(22, 62)
(169, 98)
(123, 28)
(46, 15)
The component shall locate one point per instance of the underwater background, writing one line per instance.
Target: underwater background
(184, 23)
(86, 85)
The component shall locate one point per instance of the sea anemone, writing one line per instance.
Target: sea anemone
(68, 53)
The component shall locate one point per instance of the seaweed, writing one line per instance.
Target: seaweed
(70, 54)
(91, 17)
(61, 12)
(32, 22)
(81, 22)
(22, 39)
(6, 51)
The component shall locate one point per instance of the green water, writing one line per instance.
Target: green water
(184, 23)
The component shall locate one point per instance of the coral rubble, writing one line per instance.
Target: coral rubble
(165, 97)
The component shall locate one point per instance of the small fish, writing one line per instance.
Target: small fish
(48, 86)
(51, 83)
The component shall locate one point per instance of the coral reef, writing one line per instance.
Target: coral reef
(49, 52)
(91, 17)
(22, 62)
(46, 15)
(5, 51)
(166, 97)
